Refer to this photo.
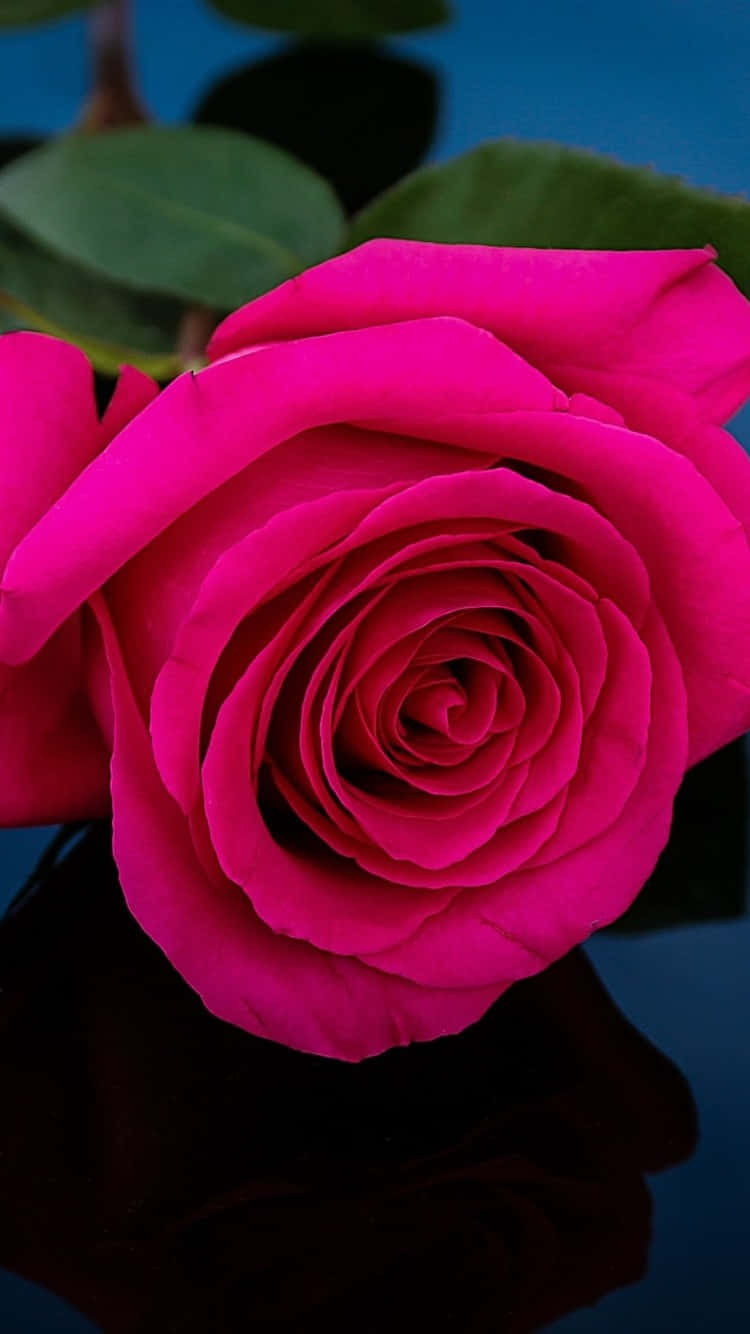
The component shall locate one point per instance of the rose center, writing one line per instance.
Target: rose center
(436, 701)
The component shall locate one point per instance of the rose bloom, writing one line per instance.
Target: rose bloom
(402, 621)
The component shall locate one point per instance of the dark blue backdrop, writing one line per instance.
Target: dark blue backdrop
(661, 82)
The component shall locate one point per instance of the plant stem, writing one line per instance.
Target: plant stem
(114, 100)
(196, 327)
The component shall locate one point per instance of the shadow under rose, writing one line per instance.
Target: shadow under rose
(166, 1172)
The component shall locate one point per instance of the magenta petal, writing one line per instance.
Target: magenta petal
(53, 762)
(272, 986)
(695, 337)
(49, 429)
(615, 742)
(268, 556)
(539, 913)
(160, 584)
(52, 757)
(259, 564)
(315, 896)
(662, 411)
(132, 393)
(434, 699)
(554, 764)
(671, 314)
(667, 512)
(159, 467)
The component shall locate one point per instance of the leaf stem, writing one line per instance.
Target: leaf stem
(114, 100)
(196, 327)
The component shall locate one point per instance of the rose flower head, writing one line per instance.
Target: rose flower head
(405, 618)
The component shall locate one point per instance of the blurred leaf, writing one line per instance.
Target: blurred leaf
(508, 193)
(199, 213)
(13, 147)
(112, 325)
(337, 18)
(20, 13)
(359, 115)
(701, 874)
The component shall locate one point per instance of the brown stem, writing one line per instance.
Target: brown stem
(114, 100)
(196, 327)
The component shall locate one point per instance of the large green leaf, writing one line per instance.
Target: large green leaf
(111, 324)
(205, 214)
(20, 13)
(337, 18)
(509, 193)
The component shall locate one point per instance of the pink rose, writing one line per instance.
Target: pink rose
(415, 607)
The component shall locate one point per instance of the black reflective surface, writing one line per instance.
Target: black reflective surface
(162, 1172)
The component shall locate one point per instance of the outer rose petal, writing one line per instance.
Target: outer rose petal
(672, 417)
(132, 393)
(159, 466)
(671, 315)
(53, 762)
(49, 428)
(271, 986)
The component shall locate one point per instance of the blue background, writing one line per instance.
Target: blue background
(662, 83)
(653, 81)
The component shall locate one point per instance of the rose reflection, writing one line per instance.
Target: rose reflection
(165, 1172)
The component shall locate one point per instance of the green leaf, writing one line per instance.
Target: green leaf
(337, 18)
(112, 325)
(21, 13)
(508, 193)
(204, 214)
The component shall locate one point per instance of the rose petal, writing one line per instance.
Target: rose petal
(49, 428)
(159, 466)
(615, 741)
(132, 393)
(671, 314)
(159, 585)
(334, 525)
(53, 762)
(310, 894)
(671, 416)
(494, 931)
(271, 986)
(53, 759)
(667, 512)
(258, 564)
